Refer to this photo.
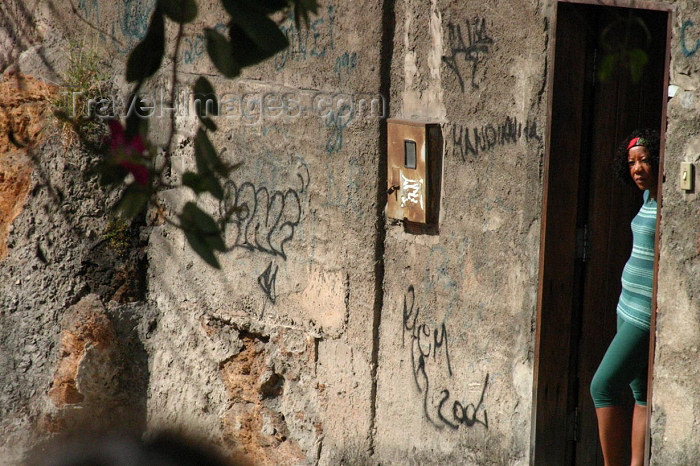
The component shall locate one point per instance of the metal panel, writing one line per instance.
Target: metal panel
(413, 193)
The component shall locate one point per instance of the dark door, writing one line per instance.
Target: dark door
(586, 232)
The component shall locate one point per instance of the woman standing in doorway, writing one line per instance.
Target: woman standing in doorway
(626, 361)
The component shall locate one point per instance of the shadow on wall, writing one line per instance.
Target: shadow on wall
(17, 32)
(164, 449)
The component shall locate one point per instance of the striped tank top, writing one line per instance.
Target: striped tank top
(634, 305)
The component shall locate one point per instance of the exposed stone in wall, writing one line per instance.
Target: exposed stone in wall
(15, 181)
(87, 389)
(253, 424)
(52, 231)
(25, 108)
(86, 327)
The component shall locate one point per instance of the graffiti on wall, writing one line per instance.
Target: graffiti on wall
(307, 43)
(469, 142)
(336, 120)
(193, 47)
(267, 281)
(468, 52)
(344, 65)
(429, 344)
(131, 24)
(264, 220)
(689, 46)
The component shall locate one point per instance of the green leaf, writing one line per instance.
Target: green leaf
(147, 56)
(180, 11)
(256, 25)
(221, 53)
(133, 201)
(204, 92)
(111, 174)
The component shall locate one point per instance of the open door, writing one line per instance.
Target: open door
(586, 237)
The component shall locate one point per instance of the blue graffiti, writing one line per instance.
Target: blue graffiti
(688, 52)
(134, 19)
(344, 64)
(304, 43)
(195, 46)
(90, 9)
(336, 121)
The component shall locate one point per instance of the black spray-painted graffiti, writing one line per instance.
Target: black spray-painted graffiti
(474, 51)
(427, 341)
(267, 281)
(265, 220)
(471, 141)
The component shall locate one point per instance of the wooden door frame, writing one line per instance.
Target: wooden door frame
(632, 4)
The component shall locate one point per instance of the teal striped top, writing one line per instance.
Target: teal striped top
(634, 305)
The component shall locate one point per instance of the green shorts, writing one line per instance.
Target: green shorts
(625, 363)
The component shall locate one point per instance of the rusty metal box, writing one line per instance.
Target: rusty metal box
(414, 164)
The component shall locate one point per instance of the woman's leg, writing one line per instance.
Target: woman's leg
(624, 361)
(612, 438)
(639, 431)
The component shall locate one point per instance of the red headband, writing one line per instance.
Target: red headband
(636, 142)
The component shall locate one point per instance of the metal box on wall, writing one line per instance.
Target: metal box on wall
(414, 164)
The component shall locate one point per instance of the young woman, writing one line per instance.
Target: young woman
(626, 360)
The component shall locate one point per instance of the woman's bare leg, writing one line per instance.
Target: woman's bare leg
(639, 429)
(612, 434)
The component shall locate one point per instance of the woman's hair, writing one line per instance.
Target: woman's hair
(651, 142)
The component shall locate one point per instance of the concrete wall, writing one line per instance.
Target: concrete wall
(456, 341)
(676, 400)
(331, 334)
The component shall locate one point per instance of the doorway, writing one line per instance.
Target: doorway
(586, 237)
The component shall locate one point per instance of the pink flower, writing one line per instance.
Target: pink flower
(128, 153)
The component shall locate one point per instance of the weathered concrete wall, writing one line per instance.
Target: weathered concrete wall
(273, 357)
(299, 278)
(269, 358)
(675, 423)
(455, 377)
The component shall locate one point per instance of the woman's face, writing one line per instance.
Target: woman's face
(641, 171)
